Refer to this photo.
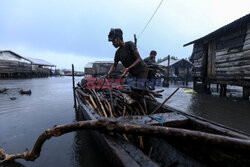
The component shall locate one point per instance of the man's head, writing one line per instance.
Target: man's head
(153, 53)
(115, 36)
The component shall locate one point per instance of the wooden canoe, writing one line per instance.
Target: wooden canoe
(172, 151)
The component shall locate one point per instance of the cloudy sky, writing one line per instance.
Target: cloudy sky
(75, 32)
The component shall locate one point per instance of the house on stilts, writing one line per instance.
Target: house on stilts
(223, 57)
(179, 70)
(100, 68)
(13, 65)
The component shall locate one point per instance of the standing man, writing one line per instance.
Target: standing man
(151, 59)
(129, 56)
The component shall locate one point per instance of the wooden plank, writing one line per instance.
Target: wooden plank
(247, 37)
(233, 63)
(232, 43)
(171, 118)
(197, 65)
(233, 57)
(246, 47)
(197, 56)
(238, 68)
(233, 73)
(233, 54)
(199, 60)
(238, 79)
(247, 42)
(211, 59)
(221, 52)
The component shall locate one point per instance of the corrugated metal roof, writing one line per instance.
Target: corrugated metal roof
(235, 24)
(40, 62)
(14, 54)
(104, 62)
(89, 65)
(175, 62)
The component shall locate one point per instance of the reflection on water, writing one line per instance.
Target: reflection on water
(232, 112)
(24, 119)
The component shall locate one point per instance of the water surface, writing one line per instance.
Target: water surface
(24, 119)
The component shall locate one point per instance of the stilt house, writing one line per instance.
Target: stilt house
(223, 56)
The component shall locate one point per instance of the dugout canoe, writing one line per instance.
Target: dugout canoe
(172, 151)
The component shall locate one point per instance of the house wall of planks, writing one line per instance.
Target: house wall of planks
(224, 59)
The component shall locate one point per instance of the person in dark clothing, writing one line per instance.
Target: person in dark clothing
(129, 56)
(151, 59)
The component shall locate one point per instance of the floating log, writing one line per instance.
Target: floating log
(4, 90)
(27, 92)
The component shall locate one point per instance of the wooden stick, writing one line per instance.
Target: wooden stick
(145, 105)
(73, 82)
(90, 105)
(124, 111)
(141, 141)
(93, 102)
(81, 92)
(112, 125)
(125, 137)
(111, 100)
(110, 110)
(164, 101)
(150, 151)
(142, 110)
(93, 108)
(103, 109)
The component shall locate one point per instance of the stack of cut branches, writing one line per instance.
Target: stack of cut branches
(157, 71)
(116, 102)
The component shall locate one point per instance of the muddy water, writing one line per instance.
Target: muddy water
(22, 120)
(51, 103)
(231, 111)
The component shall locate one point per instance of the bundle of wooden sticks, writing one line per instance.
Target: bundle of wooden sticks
(117, 102)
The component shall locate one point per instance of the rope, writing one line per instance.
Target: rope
(150, 19)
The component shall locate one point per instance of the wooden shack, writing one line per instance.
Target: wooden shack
(179, 70)
(88, 69)
(13, 65)
(223, 57)
(100, 68)
(41, 68)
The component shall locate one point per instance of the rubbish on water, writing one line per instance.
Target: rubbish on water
(189, 91)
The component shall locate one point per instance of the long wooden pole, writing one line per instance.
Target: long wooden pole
(73, 82)
(113, 125)
(168, 70)
(135, 39)
(164, 101)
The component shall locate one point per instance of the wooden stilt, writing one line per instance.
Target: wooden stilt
(194, 83)
(246, 92)
(187, 76)
(223, 89)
